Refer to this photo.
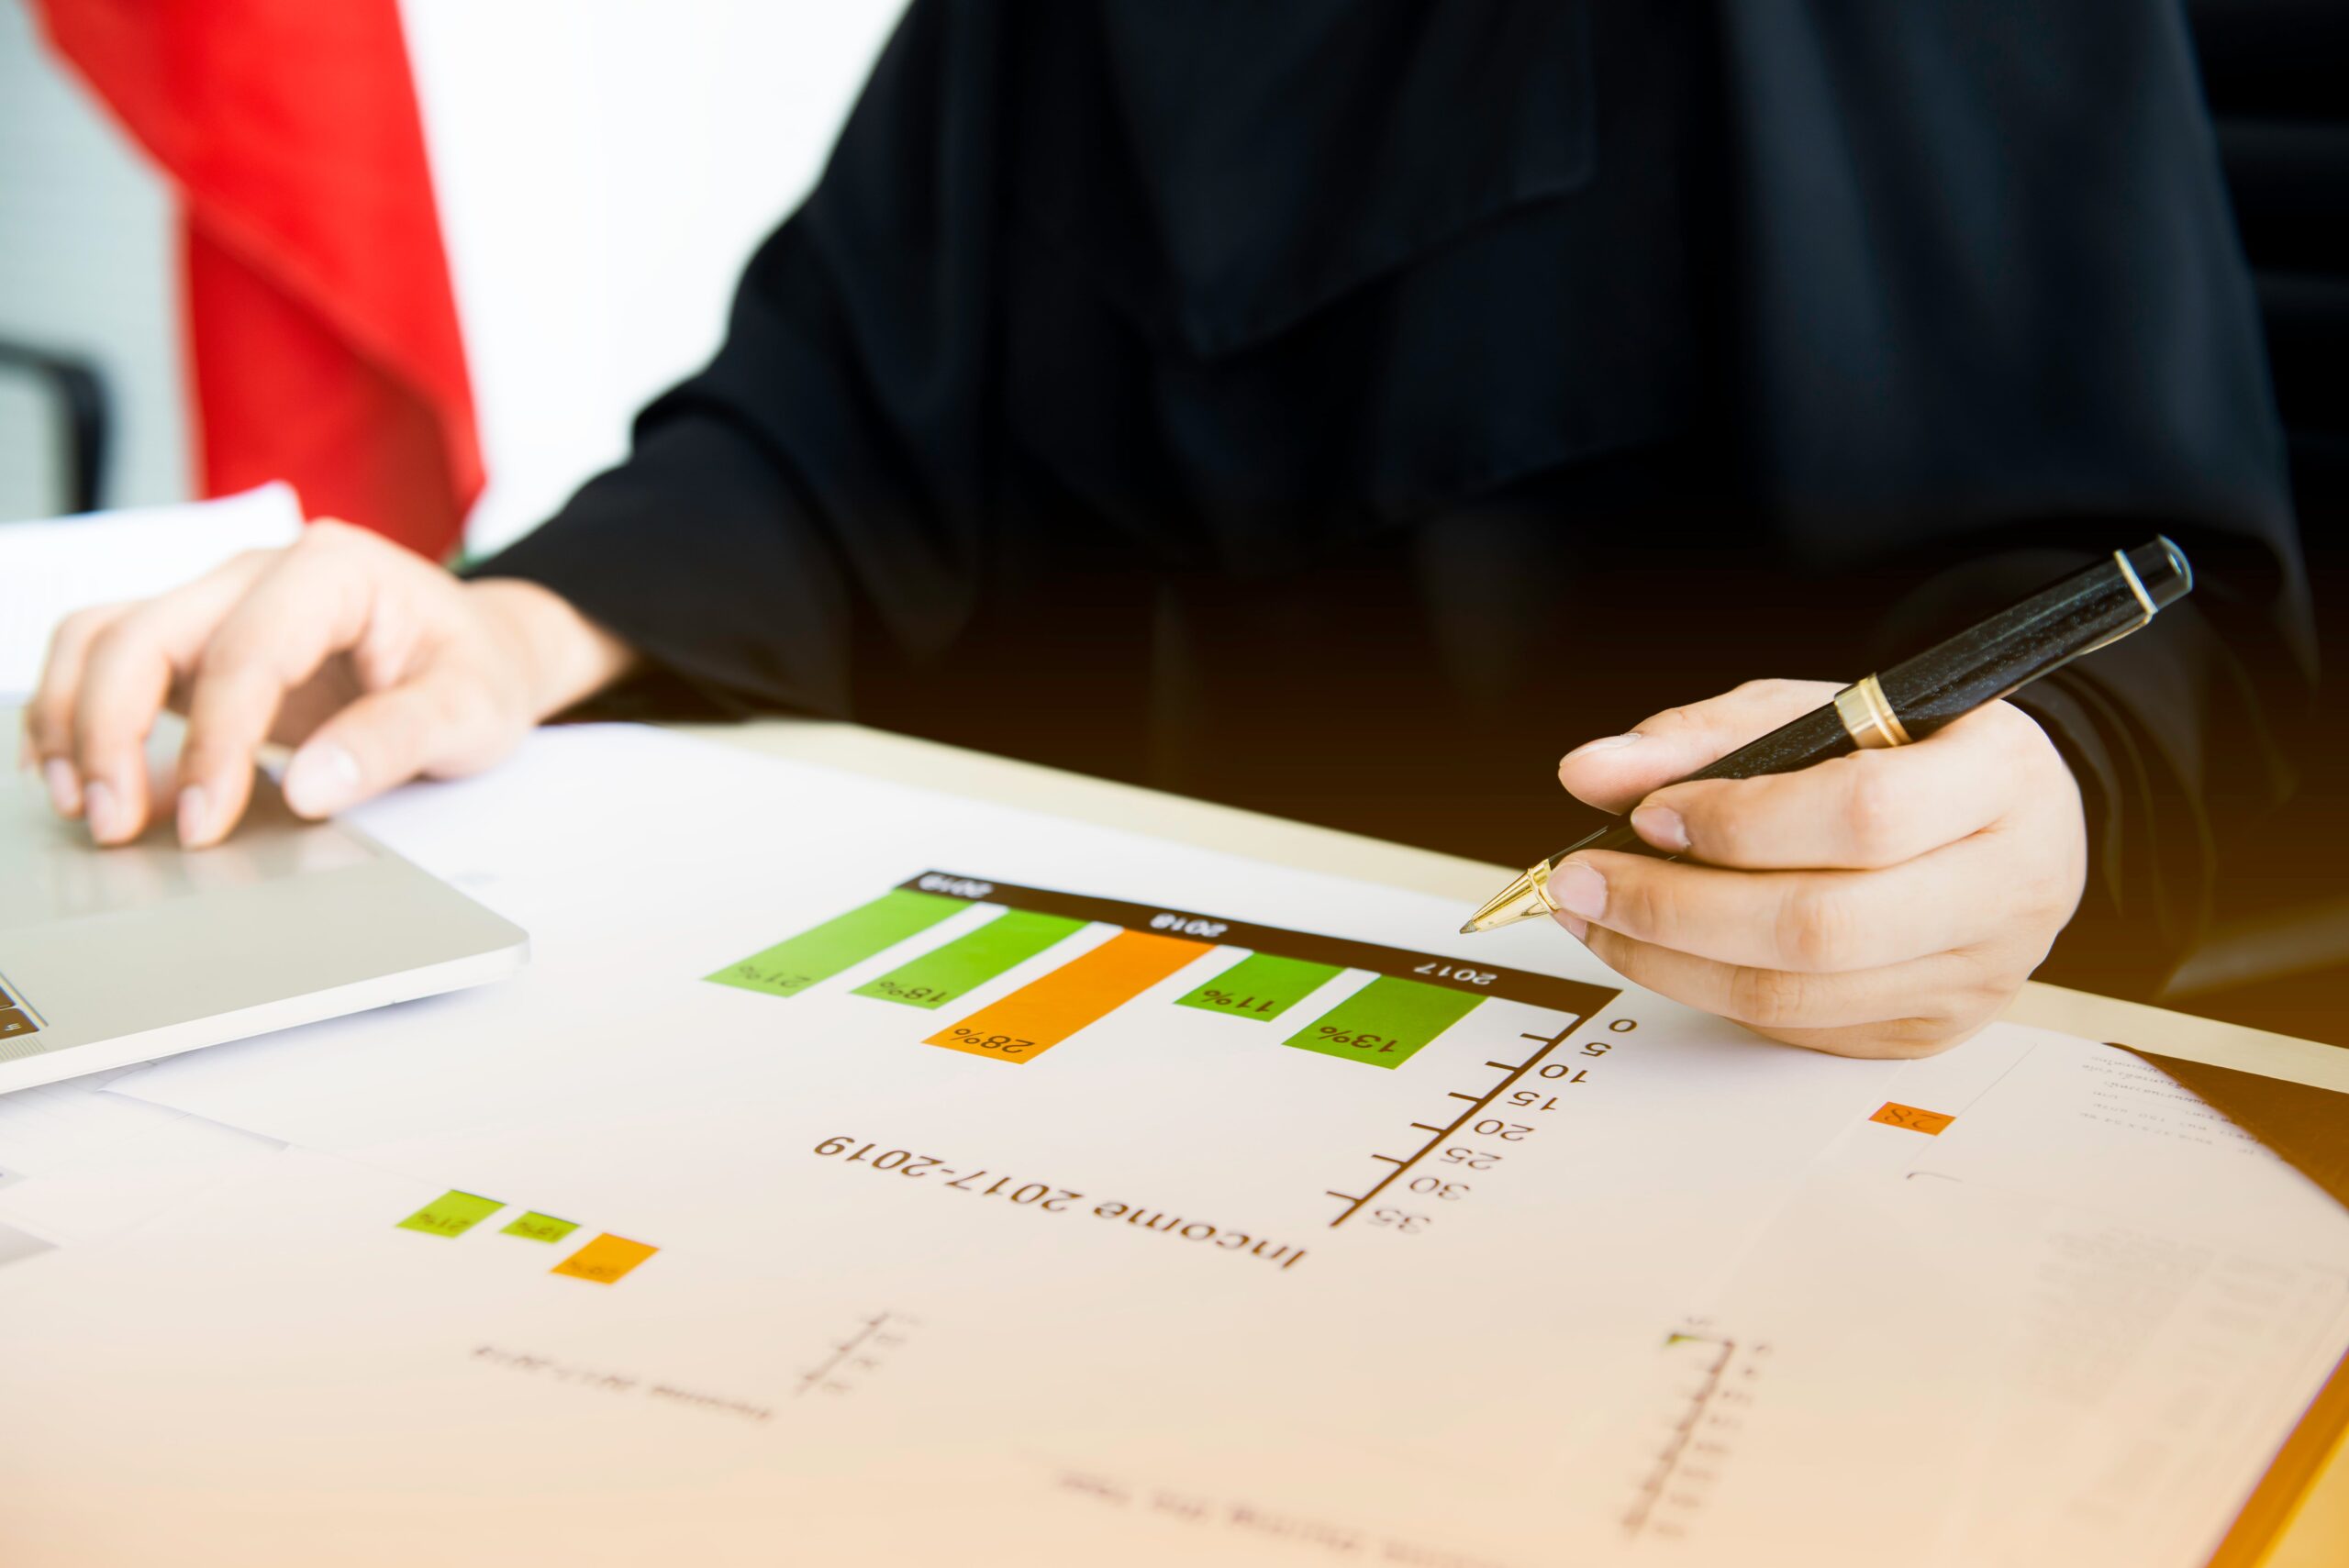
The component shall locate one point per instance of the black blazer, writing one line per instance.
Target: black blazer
(1344, 407)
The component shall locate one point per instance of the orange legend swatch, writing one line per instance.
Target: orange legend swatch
(1046, 1011)
(1930, 1123)
(605, 1260)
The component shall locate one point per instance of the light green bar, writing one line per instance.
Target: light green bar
(842, 943)
(537, 1227)
(451, 1214)
(1385, 1022)
(1260, 986)
(971, 960)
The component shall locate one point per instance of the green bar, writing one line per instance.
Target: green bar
(1260, 986)
(1385, 1022)
(537, 1227)
(971, 960)
(842, 943)
(451, 1214)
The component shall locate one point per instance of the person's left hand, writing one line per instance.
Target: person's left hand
(1886, 903)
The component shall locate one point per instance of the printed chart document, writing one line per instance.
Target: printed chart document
(862, 1172)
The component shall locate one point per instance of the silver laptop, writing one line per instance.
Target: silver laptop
(110, 957)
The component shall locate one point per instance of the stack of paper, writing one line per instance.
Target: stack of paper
(48, 570)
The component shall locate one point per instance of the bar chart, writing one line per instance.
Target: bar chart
(1266, 975)
(605, 1259)
(1164, 1016)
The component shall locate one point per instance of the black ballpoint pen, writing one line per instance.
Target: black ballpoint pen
(1912, 700)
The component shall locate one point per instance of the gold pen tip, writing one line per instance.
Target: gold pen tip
(1520, 900)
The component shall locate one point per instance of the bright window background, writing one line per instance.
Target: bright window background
(605, 167)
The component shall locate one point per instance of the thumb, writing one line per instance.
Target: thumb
(432, 724)
(1618, 772)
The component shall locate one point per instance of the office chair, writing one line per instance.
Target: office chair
(87, 422)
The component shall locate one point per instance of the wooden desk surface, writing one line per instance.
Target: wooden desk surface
(2317, 1534)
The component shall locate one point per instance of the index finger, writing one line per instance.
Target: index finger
(126, 674)
(307, 608)
(1614, 772)
(1864, 811)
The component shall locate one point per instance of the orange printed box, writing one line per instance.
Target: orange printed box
(604, 1261)
(1930, 1123)
(1044, 1012)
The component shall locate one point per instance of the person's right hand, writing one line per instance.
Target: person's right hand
(377, 664)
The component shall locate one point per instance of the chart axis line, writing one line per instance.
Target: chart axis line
(1522, 1068)
(841, 1352)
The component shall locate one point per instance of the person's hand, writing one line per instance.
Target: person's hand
(1884, 903)
(377, 663)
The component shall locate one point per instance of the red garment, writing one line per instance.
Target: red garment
(322, 328)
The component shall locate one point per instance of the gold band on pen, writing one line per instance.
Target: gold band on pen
(1867, 716)
(2144, 604)
(2136, 585)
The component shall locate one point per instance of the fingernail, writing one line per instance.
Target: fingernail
(1661, 825)
(196, 816)
(64, 788)
(1577, 927)
(109, 820)
(321, 779)
(1577, 888)
(1605, 743)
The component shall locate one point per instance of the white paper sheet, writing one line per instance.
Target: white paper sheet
(78, 1164)
(2041, 1334)
(1684, 1299)
(50, 569)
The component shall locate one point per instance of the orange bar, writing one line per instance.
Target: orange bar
(605, 1260)
(1930, 1123)
(1046, 1011)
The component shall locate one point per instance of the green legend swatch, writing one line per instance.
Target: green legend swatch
(451, 1214)
(1385, 1022)
(842, 942)
(971, 960)
(537, 1227)
(1260, 986)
